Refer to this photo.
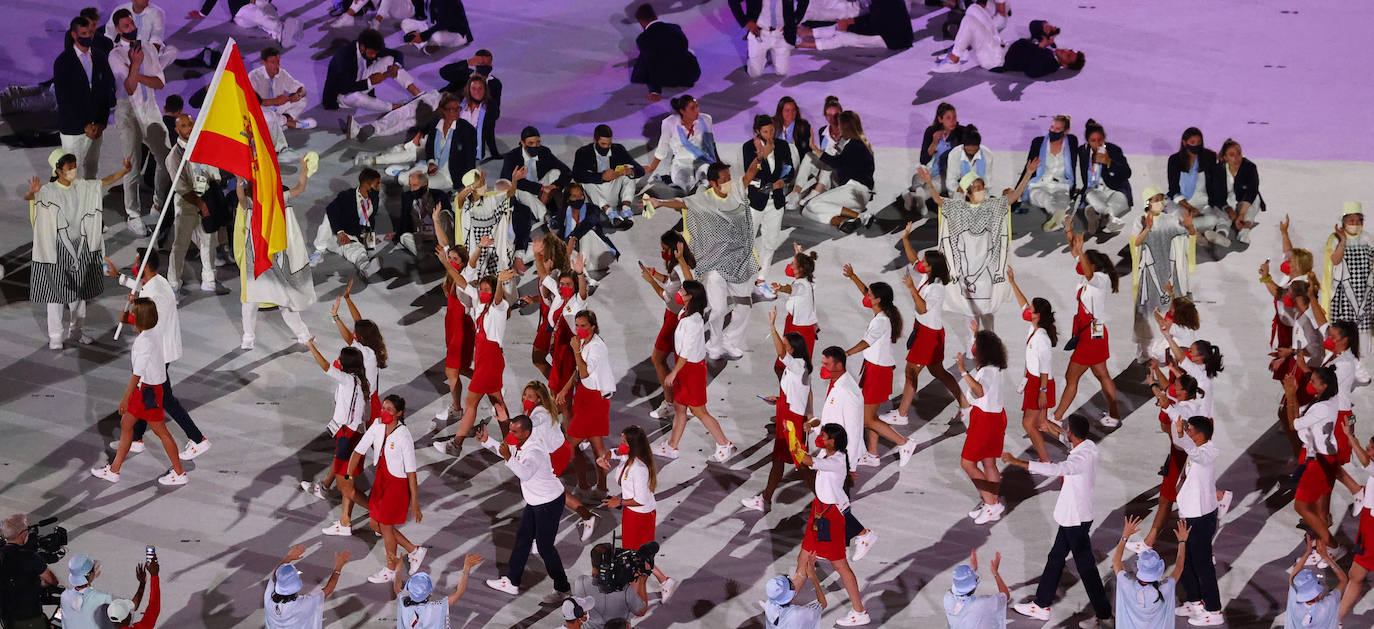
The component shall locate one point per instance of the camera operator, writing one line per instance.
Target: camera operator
(615, 594)
(23, 575)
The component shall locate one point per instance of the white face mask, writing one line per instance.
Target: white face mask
(978, 196)
(725, 189)
(1353, 230)
(1156, 207)
(67, 175)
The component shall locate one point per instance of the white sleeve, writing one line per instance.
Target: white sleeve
(405, 447)
(339, 376)
(665, 148)
(875, 333)
(829, 464)
(374, 437)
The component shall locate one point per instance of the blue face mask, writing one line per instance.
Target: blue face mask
(1056, 136)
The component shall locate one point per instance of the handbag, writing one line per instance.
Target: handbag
(1073, 340)
(821, 524)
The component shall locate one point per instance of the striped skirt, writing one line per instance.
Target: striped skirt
(67, 280)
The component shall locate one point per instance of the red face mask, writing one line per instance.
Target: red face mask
(1173, 391)
(678, 298)
(1311, 390)
(818, 442)
(1286, 268)
(386, 418)
(584, 333)
(623, 449)
(667, 257)
(789, 271)
(1169, 316)
(511, 440)
(528, 405)
(337, 365)
(1329, 344)
(566, 291)
(1289, 302)
(484, 296)
(868, 303)
(457, 266)
(825, 373)
(922, 267)
(1026, 313)
(1078, 268)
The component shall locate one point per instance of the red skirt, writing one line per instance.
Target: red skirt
(832, 550)
(876, 383)
(1173, 471)
(146, 403)
(1342, 441)
(591, 414)
(1364, 541)
(807, 332)
(561, 359)
(1318, 478)
(489, 365)
(389, 500)
(543, 334)
(344, 442)
(1030, 398)
(637, 529)
(689, 388)
(784, 417)
(928, 348)
(459, 336)
(664, 342)
(1089, 351)
(560, 458)
(985, 436)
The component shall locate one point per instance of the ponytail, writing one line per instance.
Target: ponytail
(1101, 263)
(882, 293)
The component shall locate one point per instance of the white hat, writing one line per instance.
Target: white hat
(119, 610)
(470, 177)
(1150, 193)
(312, 163)
(967, 180)
(1351, 207)
(54, 157)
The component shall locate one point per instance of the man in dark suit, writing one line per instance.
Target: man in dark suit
(664, 60)
(85, 90)
(544, 174)
(458, 74)
(1039, 59)
(355, 71)
(437, 23)
(413, 226)
(772, 26)
(443, 149)
(607, 174)
(350, 221)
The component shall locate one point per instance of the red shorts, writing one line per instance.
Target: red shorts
(146, 403)
(344, 442)
(832, 550)
(1364, 541)
(928, 348)
(807, 332)
(689, 387)
(876, 383)
(664, 342)
(1089, 351)
(781, 452)
(1318, 477)
(1173, 471)
(637, 529)
(591, 414)
(1030, 398)
(389, 500)
(560, 458)
(1342, 442)
(985, 436)
(489, 367)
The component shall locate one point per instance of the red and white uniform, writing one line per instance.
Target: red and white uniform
(987, 419)
(1039, 362)
(1092, 309)
(374, 375)
(1317, 430)
(549, 299)
(880, 360)
(1364, 540)
(591, 406)
(801, 313)
(928, 346)
(793, 393)
(1281, 330)
(562, 319)
(1178, 459)
(1348, 375)
(460, 334)
(664, 341)
(394, 457)
(350, 409)
(829, 504)
(638, 523)
(150, 366)
(548, 436)
(1205, 383)
(489, 360)
(689, 343)
(844, 406)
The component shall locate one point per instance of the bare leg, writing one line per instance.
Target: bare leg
(540, 359)
(712, 426)
(126, 438)
(774, 477)
(913, 372)
(851, 583)
(455, 388)
(660, 361)
(168, 444)
(401, 539)
(1031, 421)
(679, 424)
(469, 418)
(994, 479)
(1161, 518)
(986, 490)
(1314, 519)
(1071, 376)
(1108, 388)
(389, 545)
(599, 449)
(879, 428)
(1353, 589)
(946, 379)
(346, 513)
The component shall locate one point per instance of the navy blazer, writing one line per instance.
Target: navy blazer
(343, 66)
(1028, 58)
(664, 60)
(853, 163)
(1246, 184)
(407, 220)
(1070, 148)
(1117, 176)
(448, 15)
(81, 101)
(761, 188)
(342, 213)
(1206, 158)
(457, 75)
(888, 19)
(584, 163)
(462, 148)
(955, 138)
(545, 162)
(747, 11)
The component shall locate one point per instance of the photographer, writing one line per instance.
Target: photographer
(121, 612)
(23, 576)
(611, 598)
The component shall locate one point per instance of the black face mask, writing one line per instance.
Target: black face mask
(131, 35)
(1194, 148)
(85, 41)
(483, 70)
(1056, 136)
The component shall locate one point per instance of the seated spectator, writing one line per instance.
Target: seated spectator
(845, 205)
(399, 10)
(1233, 197)
(481, 93)
(256, 14)
(969, 157)
(1104, 178)
(151, 22)
(282, 98)
(1052, 185)
(1190, 168)
(353, 75)
(687, 142)
(607, 176)
(886, 25)
(664, 58)
(414, 226)
(942, 134)
(771, 26)
(977, 40)
(580, 218)
(767, 194)
(349, 225)
(445, 26)
(121, 612)
(544, 174)
(443, 149)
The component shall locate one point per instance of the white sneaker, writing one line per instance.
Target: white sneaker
(853, 619)
(1224, 505)
(666, 589)
(1190, 609)
(904, 453)
(587, 527)
(1108, 421)
(1114, 226)
(305, 124)
(867, 460)
(313, 488)
(246, 343)
(104, 473)
(1207, 619)
(1358, 503)
(990, 513)
(395, 170)
(1217, 237)
(1243, 235)
(894, 418)
(416, 558)
(338, 530)
(172, 478)
(864, 543)
(134, 447)
(664, 411)
(136, 227)
(765, 292)
(666, 451)
(1032, 610)
(343, 21)
(194, 450)
(503, 585)
(55, 344)
(316, 258)
(723, 453)
(385, 575)
(1055, 222)
(977, 510)
(733, 353)
(754, 503)
(946, 66)
(1136, 546)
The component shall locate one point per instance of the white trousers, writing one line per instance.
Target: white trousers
(276, 119)
(976, 42)
(354, 252)
(388, 9)
(1104, 200)
(394, 120)
(770, 235)
(830, 38)
(1051, 196)
(831, 10)
(87, 153)
(437, 38)
(261, 14)
(57, 332)
(249, 317)
(760, 45)
(405, 153)
(610, 195)
(724, 299)
(827, 205)
(134, 132)
(187, 231)
(810, 172)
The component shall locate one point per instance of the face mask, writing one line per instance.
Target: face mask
(922, 267)
(623, 449)
(512, 440)
(1026, 313)
(131, 35)
(1173, 391)
(868, 303)
(1289, 302)
(565, 291)
(584, 333)
(678, 298)
(1156, 207)
(1286, 268)
(1353, 230)
(457, 266)
(1329, 344)
(1311, 390)
(85, 41)
(725, 188)
(484, 296)
(1194, 148)
(482, 70)
(1169, 316)
(67, 176)
(386, 418)
(528, 405)
(789, 271)
(1078, 268)
(978, 196)
(818, 442)
(1056, 136)
(667, 257)
(575, 202)
(825, 373)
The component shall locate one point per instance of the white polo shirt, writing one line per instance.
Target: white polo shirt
(880, 350)
(149, 365)
(531, 465)
(546, 434)
(349, 403)
(598, 360)
(689, 339)
(399, 447)
(844, 406)
(934, 295)
(801, 303)
(1039, 358)
(794, 385)
(633, 477)
(168, 327)
(990, 378)
(1316, 427)
(830, 473)
(494, 323)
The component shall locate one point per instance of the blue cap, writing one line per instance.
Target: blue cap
(965, 580)
(1306, 586)
(288, 580)
(1148, 566)
(79, 569)
(780, 590)
(418, 586)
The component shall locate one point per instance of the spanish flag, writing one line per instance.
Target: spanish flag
(231, 134)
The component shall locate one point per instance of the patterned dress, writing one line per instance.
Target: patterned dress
(488, 216)
(68, 247)
(1351, 297)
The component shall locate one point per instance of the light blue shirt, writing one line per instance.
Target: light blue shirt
(432, 614)
(1321, 615)
(806, 616)
(1138, 606)
(985, 611)
(85, 609)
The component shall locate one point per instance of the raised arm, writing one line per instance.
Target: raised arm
(1128, 529)
(114, 178)
(340, 558)
(974, 387)
(753, 169)
(1020, 296)
(854, 277)
(1283, 235)
(472, 560)
(348, 299)
(1182, 533)
(301, 182)
(778, 345)
(924, 174)
(319, 358)
(683, 268)
(911, 255)
(1031, 167)
(997, 575)
(344, 332)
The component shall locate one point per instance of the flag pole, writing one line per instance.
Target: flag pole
(167, 202)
